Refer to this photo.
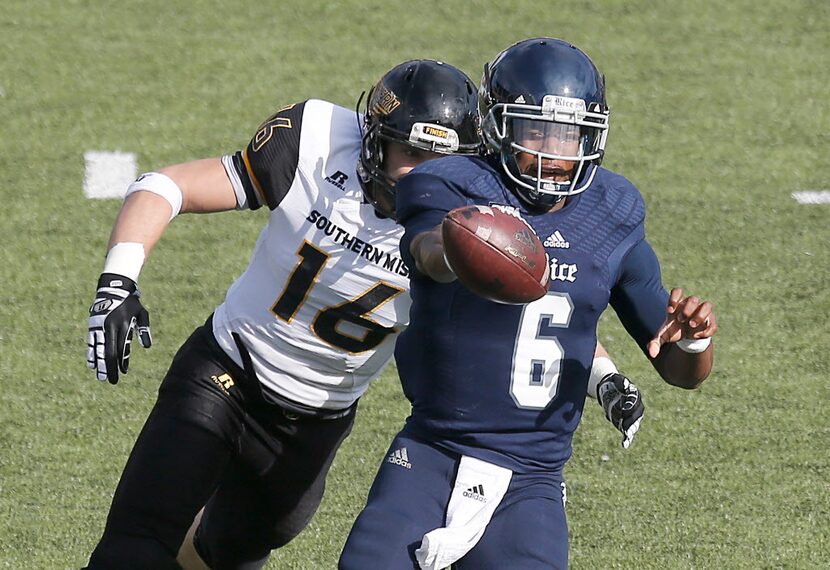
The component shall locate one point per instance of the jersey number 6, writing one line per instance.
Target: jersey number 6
(537, 353)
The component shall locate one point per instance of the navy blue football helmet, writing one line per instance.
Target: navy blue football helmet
(544, 97)
(421, 103)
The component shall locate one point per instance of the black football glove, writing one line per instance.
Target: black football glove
(623, 405)
(114, 315)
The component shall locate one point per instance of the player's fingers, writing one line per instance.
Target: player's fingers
(143, 329)
(628, 438)
(675, 297)
(653, 348)
(669, 329)
(90, 350)
(699, 321)
(100, 358)
(670, 332)
(113, 339)
(669, 326)
(708, 328)
(124, 353)
(713, 325)
(687, 308)
(698, 318)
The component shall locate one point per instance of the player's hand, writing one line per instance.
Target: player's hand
(115, 314)
(686, 318)
(623, 405)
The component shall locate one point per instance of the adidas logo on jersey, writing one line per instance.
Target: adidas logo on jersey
(338, 179)
(557, 240)
(476, 492)
(399, 457)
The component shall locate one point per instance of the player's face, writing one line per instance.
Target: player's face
(548, 138)
(399, 159)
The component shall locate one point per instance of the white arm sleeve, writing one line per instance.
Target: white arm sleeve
(233, 176)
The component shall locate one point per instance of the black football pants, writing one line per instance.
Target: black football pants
(258, 469)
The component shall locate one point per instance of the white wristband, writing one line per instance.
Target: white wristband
(161, 185)
(602, 367)
(694, 345)
(125, 258)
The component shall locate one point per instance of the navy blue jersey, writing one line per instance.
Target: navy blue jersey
(507, 383)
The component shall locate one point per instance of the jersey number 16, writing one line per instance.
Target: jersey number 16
(326, 322)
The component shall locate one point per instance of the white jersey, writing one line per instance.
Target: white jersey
(326, 293)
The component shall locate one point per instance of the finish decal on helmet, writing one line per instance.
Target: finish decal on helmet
(442, 138)
(383, 101)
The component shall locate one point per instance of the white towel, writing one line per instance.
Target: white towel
(478, 490)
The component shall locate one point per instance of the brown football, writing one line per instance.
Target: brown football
(496, 254)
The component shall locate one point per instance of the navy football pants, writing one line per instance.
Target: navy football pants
(528, 530)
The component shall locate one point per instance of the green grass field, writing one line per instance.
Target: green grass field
(719, 111)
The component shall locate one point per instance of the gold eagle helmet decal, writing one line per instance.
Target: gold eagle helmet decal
(383, 101)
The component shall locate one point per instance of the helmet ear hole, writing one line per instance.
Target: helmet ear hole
(380, 152)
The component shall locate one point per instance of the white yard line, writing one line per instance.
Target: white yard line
(107, 174)
(812, 197)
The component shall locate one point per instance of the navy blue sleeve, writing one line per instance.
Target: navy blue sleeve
(422, 199)
(638, 296)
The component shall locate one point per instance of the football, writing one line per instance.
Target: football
(496, 254)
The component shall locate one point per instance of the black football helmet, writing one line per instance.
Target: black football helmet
(548, 89)
(421, 103)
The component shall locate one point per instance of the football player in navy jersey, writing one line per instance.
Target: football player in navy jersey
(474, 478)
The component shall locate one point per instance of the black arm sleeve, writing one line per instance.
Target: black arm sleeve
(268, 165)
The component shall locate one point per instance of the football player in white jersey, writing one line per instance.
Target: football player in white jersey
(258, 399)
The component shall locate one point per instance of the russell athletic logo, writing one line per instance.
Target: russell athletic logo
(399, 457)
(338, 179)
(476, 492)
